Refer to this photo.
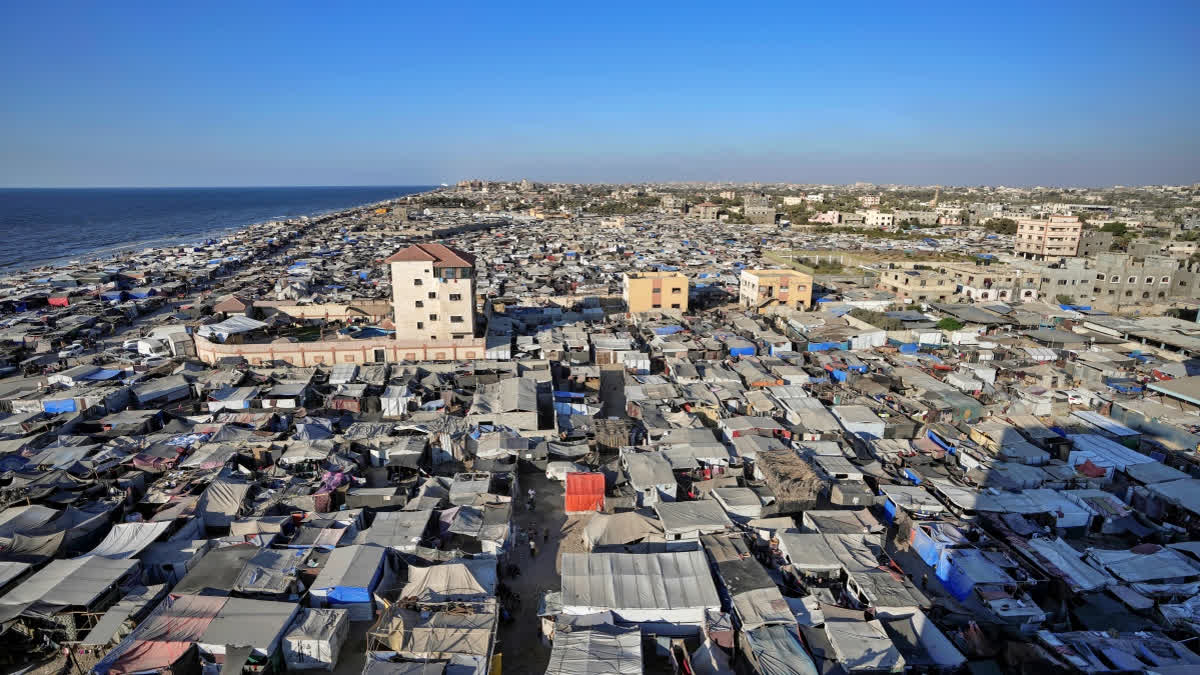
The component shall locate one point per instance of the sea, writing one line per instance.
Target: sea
(53, 226)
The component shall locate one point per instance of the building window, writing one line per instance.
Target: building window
(676, 291)
(455, 297)
(417, 282)
(432, 295)
(420, 303)
(1166, 280)
(448, 273)
(1149, 280)
(656, 291)
(456, 319)
(420, 325)
(433, 317)
(657, 305)
(675, 305)
(1133, 280)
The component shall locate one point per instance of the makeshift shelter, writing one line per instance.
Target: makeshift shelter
(777, 650)
(860, 645)
(670, 588)
(315, 638)
(436, 633)
(127, 540)
(349, 580)
(618, 529)
(222, 501)
(255, 624)
(596, 650)
(458, 580)
(78, 582)
(585, 492)
(797, 486)
(689, 520)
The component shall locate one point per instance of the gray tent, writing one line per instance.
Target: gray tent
(598, 650)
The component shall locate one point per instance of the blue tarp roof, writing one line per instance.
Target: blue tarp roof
(103, 375)
(1076, 308)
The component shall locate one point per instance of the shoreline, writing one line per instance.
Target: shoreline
(150, 246)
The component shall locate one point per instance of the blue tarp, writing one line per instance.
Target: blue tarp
(667, 330)
(827, 346)
(838, 375)
(142, 292)
(940, 443)
(62, 406)
(909, 474)
(348, 595)
(568, 394)
(1076, 308)
(103, 375)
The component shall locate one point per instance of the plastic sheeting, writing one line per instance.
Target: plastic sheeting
(221, 502)
(463, 580)
(126, 540)
(315, 638)
(349, 579)
(585, 492)
(64, 583)
(777, 651)
(672, 587)
(602, 650)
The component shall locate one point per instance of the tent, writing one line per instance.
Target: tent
(436, 634)
(618, 529)
(77, 582)
(597, 650)
(777, 650)
(314, 639)
(349, 579)
(221, 502)
(127, 540)
(456, 580)
(585, 492)
(257, 624)
(671, 587)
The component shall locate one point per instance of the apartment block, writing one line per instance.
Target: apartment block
(433, 294)
(762, 289)
(1056, 237)
(927, 285)
(651, 291)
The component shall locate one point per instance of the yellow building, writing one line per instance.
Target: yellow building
(650, 291)
(761, 289)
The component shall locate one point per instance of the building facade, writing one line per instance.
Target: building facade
(918, 285)
(652, 291)
(433, 294)
(706, 211)
(876, 219)
(1094, 242)
(1122, 278)
(995, 282)
(762, 289)
(918, 217)
(1056, 237)
(760, 215)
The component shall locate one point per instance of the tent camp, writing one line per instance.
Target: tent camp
(456, 580)
(349, 579)
(436, 634)
(585, 492)
(255, 624)
(77, 582)
(315, 638)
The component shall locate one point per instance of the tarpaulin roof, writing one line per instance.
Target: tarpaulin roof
(777, 651)
(584, 492)
(602, 650)
(621, 528)
(217, 571)
(64, 583)
(859, 644)
(249, 623)
(454, 580)
(670, 580)
(126, 540)
(697, 516)
(24, 518)
(231, 326)
(351, 566)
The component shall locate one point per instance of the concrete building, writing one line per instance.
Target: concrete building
(869, 201)
(1057, 237)
(706, 211)
(927, 285)
(728, 194)
(433, 294)
(673, 204)
(1072, 277)
(793, 201)
(827, 218)
(994, 282)
(918, 217)
(760, 215)
(876, 219)
(1122, 278)
(761, 289)
(650, 291)
(756, 200)
(1094, 242)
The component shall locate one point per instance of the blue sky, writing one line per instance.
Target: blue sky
(262, 93)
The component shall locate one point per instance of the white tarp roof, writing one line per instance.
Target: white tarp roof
(645, 581)
(511, 395)
(127, 540)
(231, 326)
(64, 583)
(351, 566)
(1079, 574)
(859, 644)
(602, 650)
(258, 624)
(697, 516)
(449, 581)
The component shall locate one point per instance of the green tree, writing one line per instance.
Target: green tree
(1065, 299)
(1118, 229)
(949, 323)
(1001, 225)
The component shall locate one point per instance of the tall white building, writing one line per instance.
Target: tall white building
(433, 295)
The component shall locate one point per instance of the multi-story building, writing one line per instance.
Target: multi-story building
(827, 218)
(672, 203)
(650, 291)
(869, 201)
(727, 194)
(1094, 242)
(706, 211)
(756, 200)
(1055, 237)
(994, 282)
(760, 215)
(918, 285)
(433, 294)
(761, 289)
(1122, 278)
(876, 219)
(793, 201)
(918, 217)
(1072, 278)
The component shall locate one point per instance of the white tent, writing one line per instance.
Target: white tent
(315, 638)
(127, 540)
(597, 650)
(671, 587)
(349, 579)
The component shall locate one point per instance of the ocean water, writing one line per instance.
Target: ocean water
(53, 226)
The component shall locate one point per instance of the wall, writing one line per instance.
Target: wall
(327, 352)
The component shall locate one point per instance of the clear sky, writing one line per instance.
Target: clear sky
(330, 93)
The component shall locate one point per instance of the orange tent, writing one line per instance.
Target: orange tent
(585, 492)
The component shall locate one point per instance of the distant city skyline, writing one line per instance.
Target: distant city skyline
(1021, 94)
